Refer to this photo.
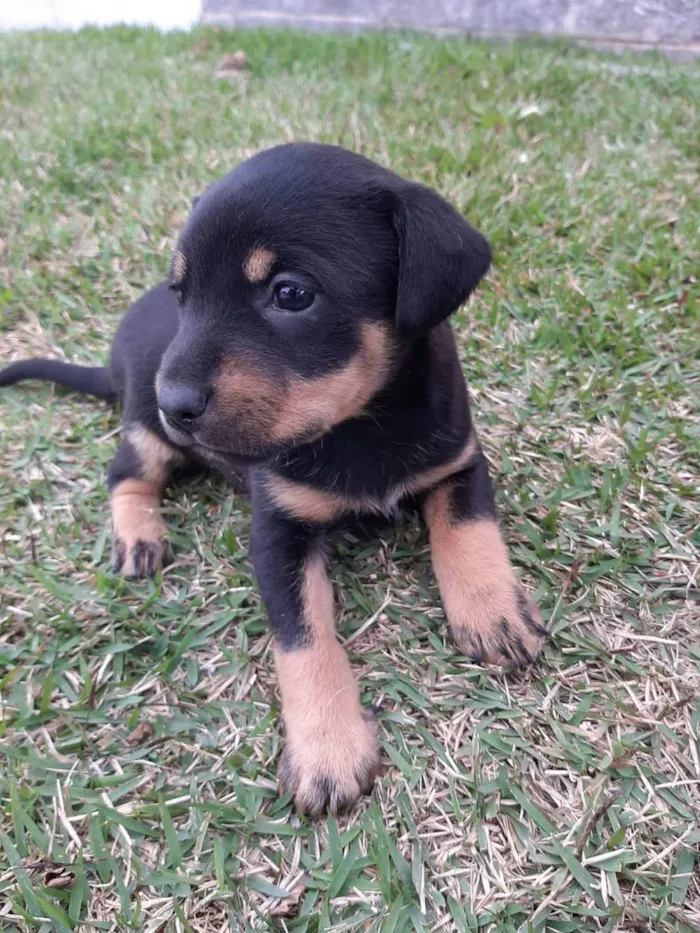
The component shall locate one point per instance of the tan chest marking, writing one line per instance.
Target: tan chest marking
(316, 505)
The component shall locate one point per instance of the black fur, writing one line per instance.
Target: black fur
(471, 492)
(441, 259)
(90, 380)
(280, 548)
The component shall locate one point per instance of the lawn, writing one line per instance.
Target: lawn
(139, 731)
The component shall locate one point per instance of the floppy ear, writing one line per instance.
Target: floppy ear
(193, 202)
(441, 259)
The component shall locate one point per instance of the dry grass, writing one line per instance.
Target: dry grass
(139, 722)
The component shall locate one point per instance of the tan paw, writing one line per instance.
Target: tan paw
(498, 624)
(138, 530)
(139, 557)
(331, 771)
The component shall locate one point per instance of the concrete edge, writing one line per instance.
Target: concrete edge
(682, 51)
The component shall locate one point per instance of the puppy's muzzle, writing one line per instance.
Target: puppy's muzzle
(182, 406)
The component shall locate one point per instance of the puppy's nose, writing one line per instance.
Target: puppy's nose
(182, 405)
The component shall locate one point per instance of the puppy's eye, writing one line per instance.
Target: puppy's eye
(291, 297)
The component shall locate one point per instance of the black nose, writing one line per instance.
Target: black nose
(182, 405)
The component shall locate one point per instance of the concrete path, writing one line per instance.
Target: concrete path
(672, 25)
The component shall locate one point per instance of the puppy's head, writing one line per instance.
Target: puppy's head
(300, 277)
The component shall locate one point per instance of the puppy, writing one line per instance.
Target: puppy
(302, 345)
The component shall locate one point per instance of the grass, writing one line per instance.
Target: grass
(139, 733)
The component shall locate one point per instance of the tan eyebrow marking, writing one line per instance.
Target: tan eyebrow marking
(178, 269)
(258, 265)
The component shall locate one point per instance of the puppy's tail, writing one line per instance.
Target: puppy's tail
(92, 380)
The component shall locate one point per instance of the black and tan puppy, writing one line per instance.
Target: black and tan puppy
(303, 341)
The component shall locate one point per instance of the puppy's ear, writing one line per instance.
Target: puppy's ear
(441, 259)
(195, 199)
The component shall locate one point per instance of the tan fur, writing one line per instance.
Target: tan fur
(273, 408)
(136, 520)
(324, 402)
(258, 265)
(306, 503)
(179, 268)
(478, 586)
(240, 382)
(315, 505)
(331, 744)
(155, 456)
(249, 399)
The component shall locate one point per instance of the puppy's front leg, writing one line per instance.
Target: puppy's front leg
(137, 477)
(491, 616)
(332, 751)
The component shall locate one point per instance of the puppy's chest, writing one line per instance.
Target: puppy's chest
(307, 502)
(341, 495)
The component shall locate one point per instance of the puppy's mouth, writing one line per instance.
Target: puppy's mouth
(192, 441)
(244, 454)
(181, 438)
